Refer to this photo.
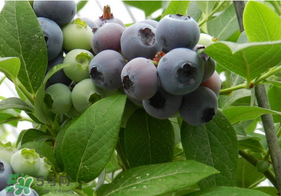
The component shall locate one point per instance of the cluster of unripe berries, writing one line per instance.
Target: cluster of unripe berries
(159, 65)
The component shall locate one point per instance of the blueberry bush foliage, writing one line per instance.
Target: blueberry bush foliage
(114, 147)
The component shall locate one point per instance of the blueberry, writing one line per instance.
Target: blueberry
(213, 83)
(89, 22)
(162, 105)
(107, 17)
(58, 98)
(138, 40)
(62, 12)
(84, 94)
(180, 71)
(107, 37)
(151, 22)
(77, 35)
(105, 69)
(5, 171)
(139, 78)
(174, 31)
(53, 37)
(199, 106)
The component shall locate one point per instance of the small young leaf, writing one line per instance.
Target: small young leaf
(248, 60)
(243, 113)
(176, 7)
(34, 135)
(214, 144)
(261, 23)
(148, 140)
(157, 179)
(10, 66)
(21, 36)
(90, 141)
(250, 143)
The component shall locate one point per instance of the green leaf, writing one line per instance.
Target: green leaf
(250, 143)
(149, 7)
(261, 23)
(21, 36)
(81, 4)
(34, 135)
(226, 101)
(214, 144)
(248, 60)
(247, 175)
(230, 191)
(274, 97)
(6, 117)
(90, 141)
(268, 190)
(10, 66)
(43, 149)
(193, 10)
(148, 140)
(206, 6)
(225, 25)
(15, 103)
(176, 7)
(157, 179)
(243, 113)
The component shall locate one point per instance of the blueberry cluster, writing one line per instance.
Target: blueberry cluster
(159, 65)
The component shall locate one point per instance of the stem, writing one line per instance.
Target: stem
(253, 161)
(239, 9)
(229, 90)
(276, 6)
(270, 133)
(26, 93)
(271, 72)
(267, 119)
(206, 18)
(123, 159)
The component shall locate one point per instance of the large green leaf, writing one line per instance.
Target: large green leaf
(90, 141)
(230, 191)
(243, 113)
(248, 60)
(148, 140)
(225, 25)
(176, 7)
(261, 23)
(21, 36)
(214, 144)
(151, 180)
